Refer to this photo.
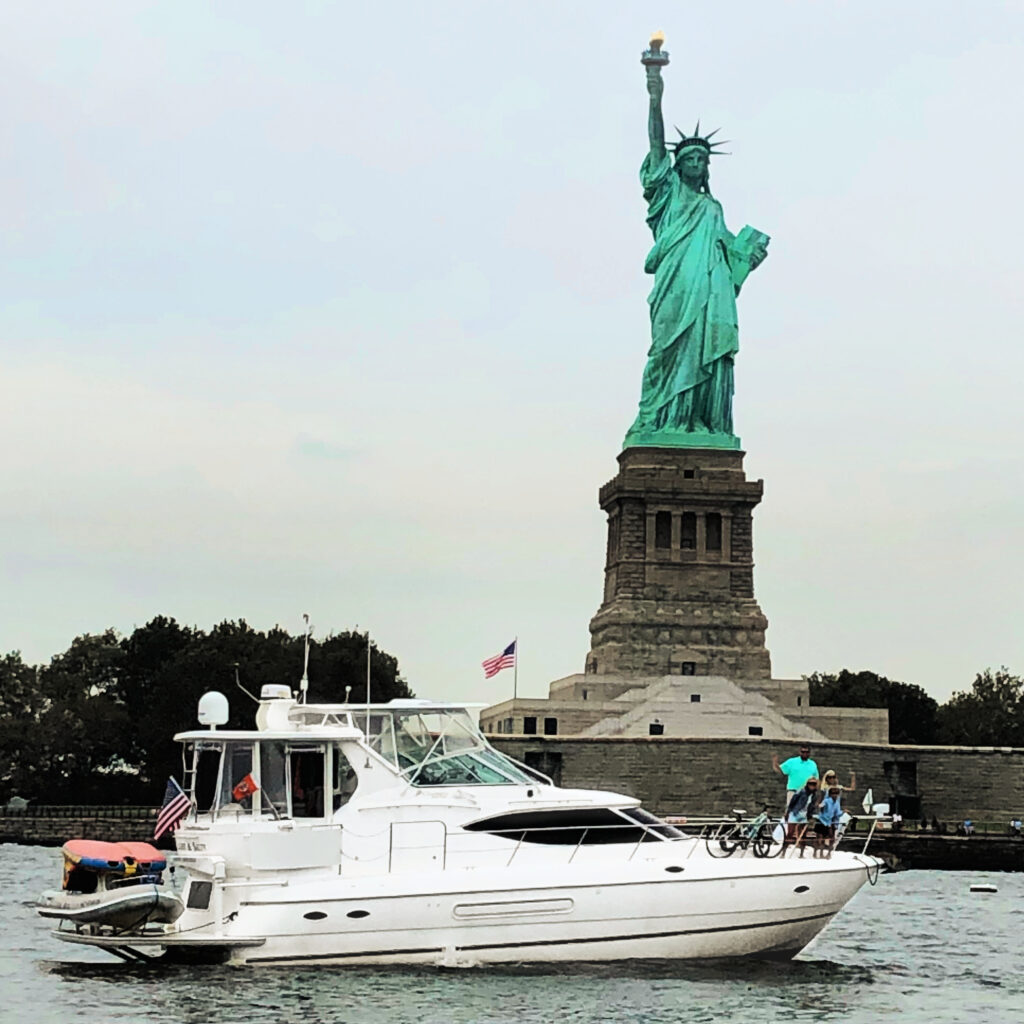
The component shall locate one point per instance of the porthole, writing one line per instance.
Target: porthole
(315, 915)
(674, 869)
(801, 888)
(358, 913)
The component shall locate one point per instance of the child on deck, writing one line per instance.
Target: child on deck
(829, 813)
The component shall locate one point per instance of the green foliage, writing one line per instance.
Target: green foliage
(97, 723)
(990, 714)
(911, 711)
(20, 710)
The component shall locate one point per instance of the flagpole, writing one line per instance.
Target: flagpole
(515, 672)
(367, 684)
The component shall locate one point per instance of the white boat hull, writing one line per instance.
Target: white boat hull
(698, 913)
(676, 919)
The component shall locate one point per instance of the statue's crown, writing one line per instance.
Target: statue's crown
(703, 141)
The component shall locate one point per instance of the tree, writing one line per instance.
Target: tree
(911, 711)
(62, 727)
(20, 707)
(168, 669)
(991, 714)
(97, 724)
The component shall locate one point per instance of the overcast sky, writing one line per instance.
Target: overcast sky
(340, 309)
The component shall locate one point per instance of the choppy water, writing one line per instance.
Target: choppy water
(918, 947)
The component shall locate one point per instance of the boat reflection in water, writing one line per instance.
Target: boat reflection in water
(397, 834)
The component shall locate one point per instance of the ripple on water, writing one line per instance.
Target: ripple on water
(917, 948)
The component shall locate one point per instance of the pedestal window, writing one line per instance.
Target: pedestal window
(663, 531)
(688, 531)
(713, 527)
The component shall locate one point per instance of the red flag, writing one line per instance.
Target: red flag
(244, 788)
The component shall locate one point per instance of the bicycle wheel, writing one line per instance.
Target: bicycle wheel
(765, 844)
(724, 844)
(762, 842)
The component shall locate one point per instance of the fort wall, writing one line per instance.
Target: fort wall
(672, 775)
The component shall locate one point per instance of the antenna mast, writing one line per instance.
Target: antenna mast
(367, 684)
(304, 681)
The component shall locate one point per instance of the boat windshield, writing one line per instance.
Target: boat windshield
(440, 747)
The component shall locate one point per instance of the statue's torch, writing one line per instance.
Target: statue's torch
(655, 57)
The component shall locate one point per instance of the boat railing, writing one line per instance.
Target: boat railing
(703, 832)
(148, 879)
(736, 835)
(585, 832)
(452, 844)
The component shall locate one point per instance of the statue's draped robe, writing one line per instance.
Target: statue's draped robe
(688, 381)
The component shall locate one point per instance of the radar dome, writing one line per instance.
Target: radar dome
(213, 709)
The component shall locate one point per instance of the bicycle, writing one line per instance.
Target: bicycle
(755, 835)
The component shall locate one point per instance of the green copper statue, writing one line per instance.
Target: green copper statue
(698, 268)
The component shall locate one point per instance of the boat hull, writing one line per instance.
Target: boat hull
(672, 920)
(127, 908)
(694, 914)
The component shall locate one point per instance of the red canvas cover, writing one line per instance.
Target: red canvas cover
(96, 854)
(144, 853)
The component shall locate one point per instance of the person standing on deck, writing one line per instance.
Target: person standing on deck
(828, 817)
(830, 779)
(797, 771)
(799, 813)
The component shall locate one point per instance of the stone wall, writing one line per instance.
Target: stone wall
(856, 725)
(712, 776)
(571, 716)
(40, 830)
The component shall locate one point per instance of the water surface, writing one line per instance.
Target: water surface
(917, 948)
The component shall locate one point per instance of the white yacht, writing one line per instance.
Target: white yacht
(397, 834)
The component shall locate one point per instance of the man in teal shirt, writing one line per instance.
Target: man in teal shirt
(797, 771)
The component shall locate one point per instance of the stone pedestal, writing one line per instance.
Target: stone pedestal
(679, 569)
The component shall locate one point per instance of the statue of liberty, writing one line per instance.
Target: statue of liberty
(698, 268)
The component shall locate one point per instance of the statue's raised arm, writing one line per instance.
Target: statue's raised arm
(654, 60)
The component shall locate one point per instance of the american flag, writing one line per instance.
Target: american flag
(176, 805)
(507, 658)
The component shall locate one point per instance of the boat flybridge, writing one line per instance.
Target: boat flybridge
(396, 833)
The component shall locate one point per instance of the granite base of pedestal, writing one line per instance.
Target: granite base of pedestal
(679, 568)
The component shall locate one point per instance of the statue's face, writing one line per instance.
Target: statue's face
(692, 166)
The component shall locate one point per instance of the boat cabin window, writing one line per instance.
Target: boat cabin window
(237, 783)
(440, 747)
(274, 778)
(653, 822)
(306, 770)
(343, 779)
(207, 776)
(270, 778)
(225, 776)
(292, 778)
(577, 826)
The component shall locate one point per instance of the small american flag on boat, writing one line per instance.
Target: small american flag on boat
(176, 805)
(507, 659)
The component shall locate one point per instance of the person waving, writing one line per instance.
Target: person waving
(797, 771)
